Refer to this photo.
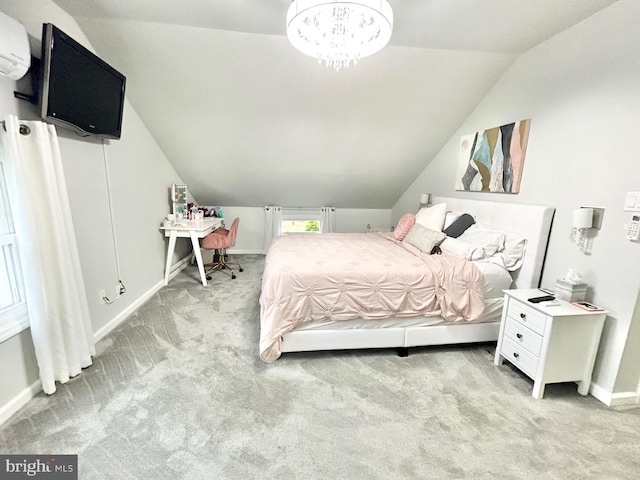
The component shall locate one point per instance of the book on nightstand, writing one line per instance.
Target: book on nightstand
(589, 307)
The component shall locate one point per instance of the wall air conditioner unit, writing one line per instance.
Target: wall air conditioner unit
(15, 56)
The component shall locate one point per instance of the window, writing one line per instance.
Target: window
(13, 308)
(304, 220)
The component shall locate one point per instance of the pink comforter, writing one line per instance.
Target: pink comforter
(342, 276)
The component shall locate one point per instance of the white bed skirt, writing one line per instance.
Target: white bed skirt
(394, 332)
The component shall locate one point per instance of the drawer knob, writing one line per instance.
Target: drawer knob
(516, 354)
(523, 315)
(519, 335)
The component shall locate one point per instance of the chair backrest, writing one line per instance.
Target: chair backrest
(231, 238)
(213, 240)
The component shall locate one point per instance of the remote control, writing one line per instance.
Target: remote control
(544, 298)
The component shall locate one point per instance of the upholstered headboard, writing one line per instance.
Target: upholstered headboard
(531, 221)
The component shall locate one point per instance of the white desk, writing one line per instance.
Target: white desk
(193, 229)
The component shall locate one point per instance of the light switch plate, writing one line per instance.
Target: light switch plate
(632, 202)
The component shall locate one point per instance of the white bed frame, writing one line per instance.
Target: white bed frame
(532, 221)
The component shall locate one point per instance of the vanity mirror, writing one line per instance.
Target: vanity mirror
(179, 199)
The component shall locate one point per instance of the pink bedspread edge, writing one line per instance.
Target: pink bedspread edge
(346, 276)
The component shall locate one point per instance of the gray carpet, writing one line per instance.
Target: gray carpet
(178, 392)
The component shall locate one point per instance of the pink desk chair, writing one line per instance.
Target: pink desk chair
(221, 239)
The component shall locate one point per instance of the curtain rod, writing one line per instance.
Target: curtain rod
(306, 208)
(333, 209)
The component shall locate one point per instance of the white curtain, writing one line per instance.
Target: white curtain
(327, 219)
(272, 225)
(54, 287)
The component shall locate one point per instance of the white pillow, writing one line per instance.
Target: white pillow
(513, 253)
(462, 249)
(450, 217)
(432, 217)
(492, 241)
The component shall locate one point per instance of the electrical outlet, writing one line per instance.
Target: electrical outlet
(102, 294)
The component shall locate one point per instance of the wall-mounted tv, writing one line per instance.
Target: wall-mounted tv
(78, 90)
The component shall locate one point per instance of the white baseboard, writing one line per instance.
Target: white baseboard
(245, 251)
(624, 398)
(118, 319)
(600, 393)
(19, 401)
(175, 269)
(614, 399)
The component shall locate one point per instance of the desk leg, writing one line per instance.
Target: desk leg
(170, 250)
(198, 254)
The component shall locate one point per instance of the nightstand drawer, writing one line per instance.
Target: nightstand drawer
(520, 357)
(521, 335)
(527, 316)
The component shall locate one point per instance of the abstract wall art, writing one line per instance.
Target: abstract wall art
(492, 160)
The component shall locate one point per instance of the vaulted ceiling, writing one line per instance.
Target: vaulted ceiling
(247, 120)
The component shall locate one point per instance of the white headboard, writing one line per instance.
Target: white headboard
(531, 221)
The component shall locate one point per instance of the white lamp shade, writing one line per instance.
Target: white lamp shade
(582, 218)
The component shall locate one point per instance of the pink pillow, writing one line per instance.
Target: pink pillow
(404, 225)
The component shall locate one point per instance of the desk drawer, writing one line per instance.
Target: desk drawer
(527, 316)
(521, 335)
(520, 357)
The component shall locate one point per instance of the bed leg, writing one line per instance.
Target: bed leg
(403, 352)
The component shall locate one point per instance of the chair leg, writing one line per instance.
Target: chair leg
(222, 265)
(226, 264)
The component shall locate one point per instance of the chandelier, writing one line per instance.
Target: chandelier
(339, 32)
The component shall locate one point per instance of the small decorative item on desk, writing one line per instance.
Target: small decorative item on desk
(571, 287)
(168, 220)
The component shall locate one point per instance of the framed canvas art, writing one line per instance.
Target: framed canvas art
(492, 160)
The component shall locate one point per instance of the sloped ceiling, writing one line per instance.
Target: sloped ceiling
(247, 120)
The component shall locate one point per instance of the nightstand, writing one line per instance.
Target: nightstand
(549, 344)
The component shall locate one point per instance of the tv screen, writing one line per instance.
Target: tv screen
(78, 90)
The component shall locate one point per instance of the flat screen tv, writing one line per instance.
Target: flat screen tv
(78, 90)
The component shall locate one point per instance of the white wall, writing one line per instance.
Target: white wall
(139, 175)
(581, 90)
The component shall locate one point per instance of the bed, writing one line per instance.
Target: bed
(391, 294)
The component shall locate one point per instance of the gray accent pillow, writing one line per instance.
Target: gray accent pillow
(459, 225)
(423, 238)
